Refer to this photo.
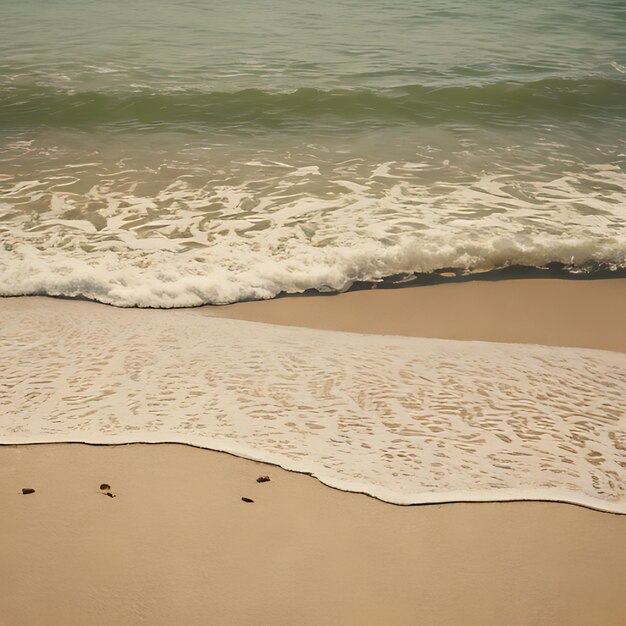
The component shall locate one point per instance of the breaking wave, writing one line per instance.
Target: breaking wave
(270, 228)
(232, 273)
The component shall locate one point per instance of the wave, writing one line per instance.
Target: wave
(233, 272)
(494, 103)
(190, 243)
(405, 419)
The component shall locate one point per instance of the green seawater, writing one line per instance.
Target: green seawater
(160, 153)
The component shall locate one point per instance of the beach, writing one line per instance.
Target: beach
(177, 541)
(312, 313)
(177, 544)
(543, 311)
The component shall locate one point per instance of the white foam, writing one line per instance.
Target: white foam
(407, 420)
(209, 235)
(183, 258)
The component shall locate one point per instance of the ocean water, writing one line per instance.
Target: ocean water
(168, 154)
(405, 419)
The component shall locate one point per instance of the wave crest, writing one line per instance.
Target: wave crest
(491, 103)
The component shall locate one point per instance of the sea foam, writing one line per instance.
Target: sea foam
(407, 420)
(261, 228)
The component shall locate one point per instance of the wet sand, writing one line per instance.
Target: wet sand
(178, 545)
(552, 312)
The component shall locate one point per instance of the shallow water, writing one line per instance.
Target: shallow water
(173, 154)
(405, 419)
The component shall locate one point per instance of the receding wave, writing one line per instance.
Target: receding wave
(408, 420)
(490, 104)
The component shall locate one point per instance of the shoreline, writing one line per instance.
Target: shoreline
(543, 311)
(178, 544)
(550, 311)
(404, 419)
(438, 499)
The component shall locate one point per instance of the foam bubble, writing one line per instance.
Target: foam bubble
(131, 237)
(408, 420)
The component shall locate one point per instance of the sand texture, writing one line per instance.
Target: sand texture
(178, 546)
(552, 312)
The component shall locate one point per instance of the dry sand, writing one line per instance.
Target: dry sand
(178, 546)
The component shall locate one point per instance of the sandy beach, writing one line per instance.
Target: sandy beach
(552, 312)
(312, 313)
(178, 544)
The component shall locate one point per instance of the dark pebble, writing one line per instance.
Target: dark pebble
(247, 499)
(263, 479)
(108, 493)
(27, 490)
(105, 487)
